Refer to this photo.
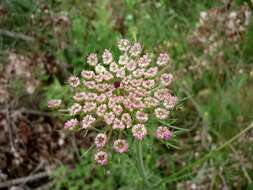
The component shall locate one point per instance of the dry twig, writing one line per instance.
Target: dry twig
(16, 35)
(24, 180)
(9, 128)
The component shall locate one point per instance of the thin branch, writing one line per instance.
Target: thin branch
(46, 186)
(246, 174)
(16, 35)
(74, 146)
(8, 119)
(35, 112)
(24, 180)
(31, 112)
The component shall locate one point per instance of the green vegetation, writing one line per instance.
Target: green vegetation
(216, 101)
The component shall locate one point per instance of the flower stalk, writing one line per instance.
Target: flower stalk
(140, 164)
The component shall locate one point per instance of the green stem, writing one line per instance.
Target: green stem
(140, 164)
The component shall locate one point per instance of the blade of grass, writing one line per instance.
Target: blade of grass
(173, 127)
(172, 145)
(87, 151)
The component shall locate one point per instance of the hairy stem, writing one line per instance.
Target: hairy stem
(140, 164)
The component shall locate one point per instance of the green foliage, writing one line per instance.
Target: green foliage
(121, 174)
(248, 45)
(17, 88)
(56, 91)
(215, 108)
(17, 20)
(19, 13)
(73, 54)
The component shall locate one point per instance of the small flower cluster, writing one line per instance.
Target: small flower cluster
(123, 95)
(217, 22)
(217, 29)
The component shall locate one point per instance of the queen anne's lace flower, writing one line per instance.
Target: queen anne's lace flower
(163, 133)
(123, 45)
(87, 121)
(109, 118)
(101, 110)
(101, 158)
(100, 140)
(74, 81)
(123, 59)
(54, 104)
(126, 119)
(118, 124)
(144, 61)
(170, 102)
(141, 116)
(121, 95)
(151, 72)
(79, 96)
(89, 107)
(75, 109)
(163, 59)
(107, 57)
(139, 131)
(166, 79)
(135, 49)
(92, 59)
(71, 124)
(88, 75)
(161, 113)
(120, 146)
(99, 69)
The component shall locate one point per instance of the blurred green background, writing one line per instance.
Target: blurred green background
(211, 46)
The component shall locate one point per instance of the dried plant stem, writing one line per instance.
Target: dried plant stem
(9, 126)
(24, 180)
(140, 164)
(246, 174)
(74, 146)
(16, 35)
